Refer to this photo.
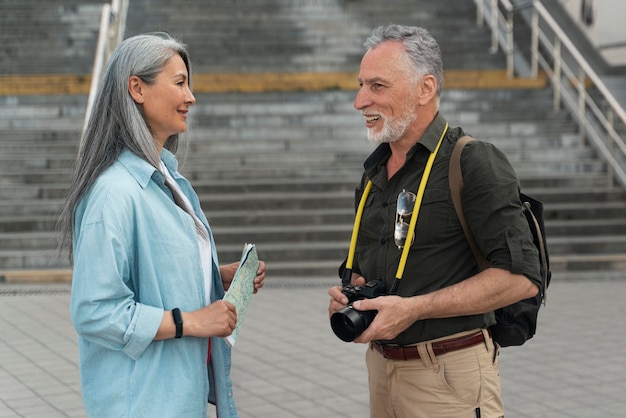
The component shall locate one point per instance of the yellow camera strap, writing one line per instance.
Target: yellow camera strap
(409, 238)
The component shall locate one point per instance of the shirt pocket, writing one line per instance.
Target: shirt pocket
(436, 217)
(374, 225)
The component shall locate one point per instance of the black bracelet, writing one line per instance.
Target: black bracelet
(178, 321)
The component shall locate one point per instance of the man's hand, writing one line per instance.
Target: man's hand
(338, 300)
(395, 314)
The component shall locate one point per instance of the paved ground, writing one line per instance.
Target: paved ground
(289, 364)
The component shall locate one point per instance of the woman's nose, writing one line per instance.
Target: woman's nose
(191, 99)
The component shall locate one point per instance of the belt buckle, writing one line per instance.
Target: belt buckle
(392, 349)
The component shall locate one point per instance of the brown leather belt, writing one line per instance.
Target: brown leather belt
(439, 347)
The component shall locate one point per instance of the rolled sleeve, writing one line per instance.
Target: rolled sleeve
(143, 327)
(104, 309)
(494, 211)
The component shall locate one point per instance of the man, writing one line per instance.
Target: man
(430, 354)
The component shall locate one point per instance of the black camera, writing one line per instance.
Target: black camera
(348, 323)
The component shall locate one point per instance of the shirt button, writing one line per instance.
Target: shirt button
(385, 204)
(510, 234)
(383, 241)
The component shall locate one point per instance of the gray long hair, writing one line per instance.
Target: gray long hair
(116, 122)
(422, 49)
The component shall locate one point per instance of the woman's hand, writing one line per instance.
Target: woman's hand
(218, 319)
(227, 272)
(260, 276)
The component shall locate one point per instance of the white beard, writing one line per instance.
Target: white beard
(392, 130)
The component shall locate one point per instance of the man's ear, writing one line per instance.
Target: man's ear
(135, 88)
(427, 89)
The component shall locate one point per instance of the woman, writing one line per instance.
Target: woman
(146, 292)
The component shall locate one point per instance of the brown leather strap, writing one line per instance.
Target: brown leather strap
(455, 178)
(411, 352)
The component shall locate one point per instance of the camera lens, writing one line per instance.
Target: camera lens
(347, 324)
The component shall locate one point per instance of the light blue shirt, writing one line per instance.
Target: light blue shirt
(136, 255)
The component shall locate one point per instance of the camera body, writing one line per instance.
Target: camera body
(348, 323)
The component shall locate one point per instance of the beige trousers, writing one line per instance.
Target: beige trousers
(459, 384)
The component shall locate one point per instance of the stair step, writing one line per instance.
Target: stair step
(282, 217)
(327, 269)
(592, 210)
(27, 223)
(585, 227)
(262, 235)
(268, 200)
(28, 260)
(294, 251)
(20, 207)
(553, 195)
(277, 163)
(26, 241)
(530, 181)
(597, 244)
(582, 266)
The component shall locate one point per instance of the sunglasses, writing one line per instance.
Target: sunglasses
(404, 210)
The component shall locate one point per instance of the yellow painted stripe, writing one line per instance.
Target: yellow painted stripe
(36, 276)
(17, 85)
(50, 84)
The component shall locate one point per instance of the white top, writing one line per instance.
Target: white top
(204, 245)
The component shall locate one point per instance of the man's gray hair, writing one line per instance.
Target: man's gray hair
(422, 49)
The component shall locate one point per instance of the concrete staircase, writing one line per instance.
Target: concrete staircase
(304, 36)
(48, 37)
(38, 142)
(297, 189)
(279, 168)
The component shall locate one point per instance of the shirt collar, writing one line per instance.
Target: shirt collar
(431, 137)
(142, 170)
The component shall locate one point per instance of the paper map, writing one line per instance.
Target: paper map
(242, 287)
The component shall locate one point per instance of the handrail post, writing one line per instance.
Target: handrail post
(99, 59)
(111, 33)
(494, 26)
(510, 46)
(534, 40)
(556, 77)
(582, 131)
(120, 8)
(610, 117)
(480, 13)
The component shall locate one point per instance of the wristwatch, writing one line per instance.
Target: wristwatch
(178, 321)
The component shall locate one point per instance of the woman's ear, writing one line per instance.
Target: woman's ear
(135, 88)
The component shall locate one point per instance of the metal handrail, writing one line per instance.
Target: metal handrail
(111, 33)
(501, 27)
(569, 85)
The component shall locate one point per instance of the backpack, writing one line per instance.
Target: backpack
(516, 323)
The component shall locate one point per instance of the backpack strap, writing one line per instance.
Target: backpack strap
(455, 178)
(541, 242)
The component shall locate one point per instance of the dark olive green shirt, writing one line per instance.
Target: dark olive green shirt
(440, 255)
